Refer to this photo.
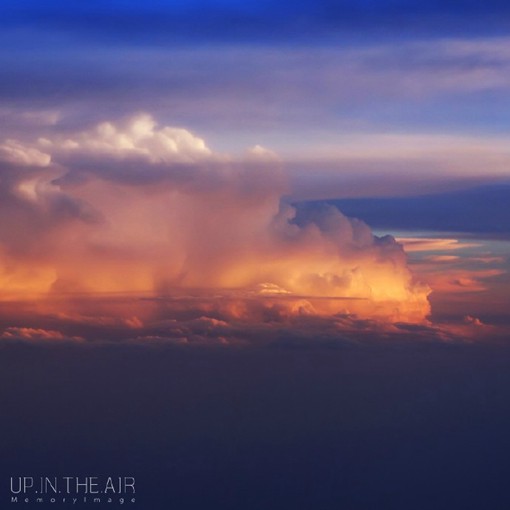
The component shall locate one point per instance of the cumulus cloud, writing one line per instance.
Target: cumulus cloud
(130, 206)
(135, 137)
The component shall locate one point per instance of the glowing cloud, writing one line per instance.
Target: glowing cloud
(132, 207)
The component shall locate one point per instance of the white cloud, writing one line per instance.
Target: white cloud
(137, 137)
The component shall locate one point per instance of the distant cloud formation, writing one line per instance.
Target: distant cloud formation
(129, 206)
(37, 335)
(189, 319)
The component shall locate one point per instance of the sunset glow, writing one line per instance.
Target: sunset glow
(137, 208)
(255, 255)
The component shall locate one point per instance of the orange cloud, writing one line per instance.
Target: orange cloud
(133, 207)
(418, 244)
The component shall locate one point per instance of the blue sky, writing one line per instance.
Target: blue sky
(357, 98)
(258, 19)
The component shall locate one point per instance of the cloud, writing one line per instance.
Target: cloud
(138, 137)
(426, 244)
(349, 119)
(379, 87)
(128, 206)
(37, 335)
(15, 152)
(209, 321)
(460, 280)
(473, 267)
(442, 258)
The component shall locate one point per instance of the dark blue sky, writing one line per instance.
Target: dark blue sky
(257, 20)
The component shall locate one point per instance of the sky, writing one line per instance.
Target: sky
(220, 192)
(179, 141)
(406, 91)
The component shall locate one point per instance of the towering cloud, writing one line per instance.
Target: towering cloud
(130, 206)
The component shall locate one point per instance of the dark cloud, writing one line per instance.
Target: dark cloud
(482, 210)
(419, 426)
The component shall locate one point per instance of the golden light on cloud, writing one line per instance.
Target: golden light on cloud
(132, 207)
(419, 244)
